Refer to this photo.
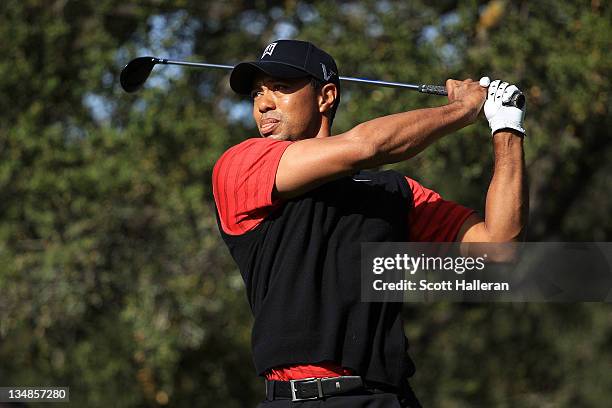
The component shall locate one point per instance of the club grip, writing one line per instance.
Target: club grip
(517, 99)
(433, 89)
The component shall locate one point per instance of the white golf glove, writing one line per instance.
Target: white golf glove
(502, 116)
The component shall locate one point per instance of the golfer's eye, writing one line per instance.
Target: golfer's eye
(255, 93)
(280, 87)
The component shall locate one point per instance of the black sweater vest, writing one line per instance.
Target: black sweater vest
(301, 268)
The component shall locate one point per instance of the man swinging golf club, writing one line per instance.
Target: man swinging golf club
(294, 205)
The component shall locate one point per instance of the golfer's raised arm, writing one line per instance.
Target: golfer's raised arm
(507, 203)
(309, 163)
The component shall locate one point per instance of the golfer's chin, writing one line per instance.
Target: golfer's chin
(277, 136)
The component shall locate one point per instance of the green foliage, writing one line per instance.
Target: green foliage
(113, 277)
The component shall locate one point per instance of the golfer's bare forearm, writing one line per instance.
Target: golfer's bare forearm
(401, 136)
(507, 203)
(311, 162)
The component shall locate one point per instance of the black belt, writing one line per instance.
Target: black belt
(312, 388)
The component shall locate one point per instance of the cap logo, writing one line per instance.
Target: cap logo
(326, 75)
(269, 50)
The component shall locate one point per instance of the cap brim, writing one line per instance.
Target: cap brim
(243, 74)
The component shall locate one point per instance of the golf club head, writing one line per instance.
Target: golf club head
(136, 72)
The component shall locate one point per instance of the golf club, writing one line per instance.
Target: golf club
(136, 72)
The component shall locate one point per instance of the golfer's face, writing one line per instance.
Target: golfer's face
(285, 109)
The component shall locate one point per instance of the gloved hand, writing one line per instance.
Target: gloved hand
(502, 116)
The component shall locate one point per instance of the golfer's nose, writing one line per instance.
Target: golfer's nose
(266, 101)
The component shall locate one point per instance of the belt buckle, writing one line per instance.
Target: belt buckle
(305, 380)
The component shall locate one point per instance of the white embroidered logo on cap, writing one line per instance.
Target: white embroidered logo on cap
(325, 74)
(269, 50)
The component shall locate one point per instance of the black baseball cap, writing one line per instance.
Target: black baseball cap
(286, 59)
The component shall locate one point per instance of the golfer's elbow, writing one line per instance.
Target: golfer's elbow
(508, 235)
(371, 151)
(507, 244)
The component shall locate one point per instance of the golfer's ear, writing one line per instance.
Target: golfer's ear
(327, 97)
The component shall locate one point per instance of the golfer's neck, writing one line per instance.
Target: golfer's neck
(324, 130)
(323, 133)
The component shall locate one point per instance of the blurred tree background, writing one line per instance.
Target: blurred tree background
(113, 277)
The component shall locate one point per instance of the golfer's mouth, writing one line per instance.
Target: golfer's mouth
(268, 126)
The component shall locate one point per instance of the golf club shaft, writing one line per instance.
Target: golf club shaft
(136, 72)
(429, 89)
(193, 64)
